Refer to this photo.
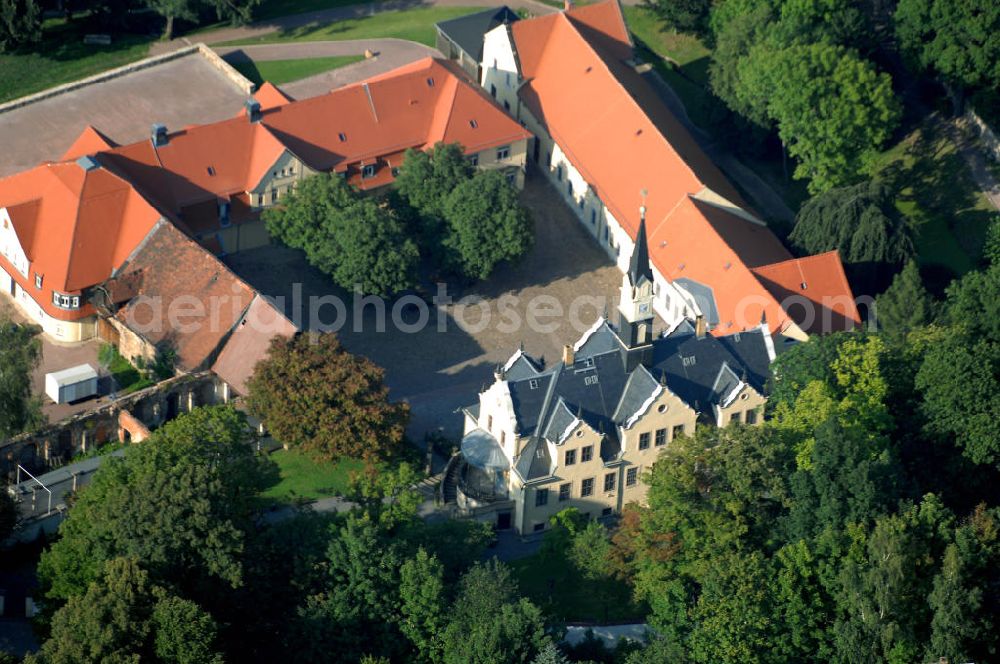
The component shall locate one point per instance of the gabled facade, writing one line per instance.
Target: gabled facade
(582, 433)
(610, 146)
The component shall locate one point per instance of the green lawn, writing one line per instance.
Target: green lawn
(557, 588)
(127, 378)
(304, 477)
(276, 8)
(61, 57)
(286, 71)
(937, 192)
(412, 24)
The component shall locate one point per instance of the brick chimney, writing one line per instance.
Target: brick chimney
(567, 356)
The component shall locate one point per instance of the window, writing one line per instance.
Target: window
(586, 454)
(474, 159)
(260, 199)
(489, 423)
(473, 124)
(661, 437)
(559, 172)
(38, 280)
(503, 153)
(569, 188)
(677, 432)
(564, 491)
(64, 301)
(538, 527)
(541, 497)
(533, 383)
(430, 82)
(631, 476)
(506, 105)
(55, 298)
(593, 217)
(605, 234)
(735, 417)
(368, 171)
(570, 457)
(274, 195)
(644, 441)
(507, 75)
(291, 170)
(493, 91)
(587, 488)
(395, 171)
(503, 438)
(751, 417)
(342, 136)
(590, 380)
(609, 481)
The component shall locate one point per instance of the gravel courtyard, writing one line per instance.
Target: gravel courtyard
(442, 366)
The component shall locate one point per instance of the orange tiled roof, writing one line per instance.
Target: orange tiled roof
(250, 341)
(76, 227)
(270, 96)
(88, 142)
(628, 141)
(819, 279)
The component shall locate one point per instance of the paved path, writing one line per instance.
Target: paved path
(294, 21)
(975, 159)
(389, 54)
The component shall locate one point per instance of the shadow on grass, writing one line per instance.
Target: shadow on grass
(936, 191)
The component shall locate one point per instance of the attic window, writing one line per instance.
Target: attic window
(689, 361)
(533, 384)
(38, 281)
(343, 137)
(588, 69)
(211, 170)
(590, 380)
(803, 285)
(473, 124)
(430, 82)
(638, 132)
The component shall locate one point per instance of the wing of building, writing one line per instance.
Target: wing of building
(610, 147)
(120, 241)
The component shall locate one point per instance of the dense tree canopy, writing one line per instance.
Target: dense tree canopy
(180, 503)
(237, 11)
(832, 109)
(20, 353)
(312, 393)
(682, 15)
(905, 305)
(357, 240)
(20, 23)
(953, 39)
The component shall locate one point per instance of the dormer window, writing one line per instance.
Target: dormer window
(38, 281)
(65, 301)
(368, 171)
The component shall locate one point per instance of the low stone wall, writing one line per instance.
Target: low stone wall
(127, 418)
(210, 56)
(987, 137)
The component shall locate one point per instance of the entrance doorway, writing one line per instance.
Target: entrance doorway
(504, 520)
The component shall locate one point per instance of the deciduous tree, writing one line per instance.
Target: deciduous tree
(20, 353)
(423, 605)
(20, 23)
(312, 393)
(905, 306)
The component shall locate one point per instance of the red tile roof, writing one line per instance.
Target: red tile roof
(76, 227)
(177, 275)
(628, 141)
(269, 96)
(250, 341)
(820, 279)
(89, 141)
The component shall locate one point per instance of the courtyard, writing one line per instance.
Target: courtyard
(544, 302)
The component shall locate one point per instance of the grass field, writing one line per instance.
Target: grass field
(286, 71)
(127, 378)
(412, 24)
(62, 57)
(937, 192)
(304, 477)
(558, 590)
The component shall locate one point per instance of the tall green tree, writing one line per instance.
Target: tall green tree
(20, 23)
(490, 622)
(427, 178)
(124, 617)
(20, 353)
(181, 503)
(357, 240)
(683, 15)
(423, 605)
(861, 222)
(312, 393)
(905, 306)
(955, 40)
(486, 224)
(833, 109)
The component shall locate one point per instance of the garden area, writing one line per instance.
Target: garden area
(286, 71)
(127, 377)
(303, 477)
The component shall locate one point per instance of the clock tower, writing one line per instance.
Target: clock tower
(635, 305)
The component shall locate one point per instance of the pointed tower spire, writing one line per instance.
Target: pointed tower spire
(639, 264)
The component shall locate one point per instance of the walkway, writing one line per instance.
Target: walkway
(975, 159)
(389, 54)
(294, 21)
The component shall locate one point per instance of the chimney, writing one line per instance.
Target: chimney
(567, 357)
(158, 135)
(699, 326)
(253, 110)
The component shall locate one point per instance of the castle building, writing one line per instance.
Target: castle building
(582, 433)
